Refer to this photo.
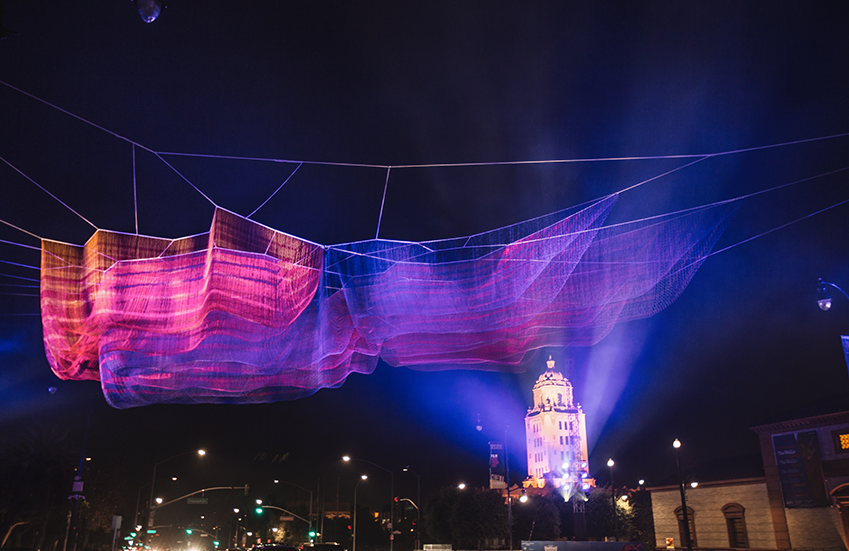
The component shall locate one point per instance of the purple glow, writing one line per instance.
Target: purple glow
(246, 314)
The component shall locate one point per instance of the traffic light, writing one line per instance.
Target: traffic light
(258, 510)
(312, 535)
(216, 543)
(189, 531)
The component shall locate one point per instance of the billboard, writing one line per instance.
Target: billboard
(800, 469)
(497, 466)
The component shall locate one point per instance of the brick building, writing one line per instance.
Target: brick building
(799, 499)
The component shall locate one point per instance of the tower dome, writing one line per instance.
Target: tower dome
(556, 434)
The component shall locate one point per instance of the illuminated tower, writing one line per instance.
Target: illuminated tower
(556, 434)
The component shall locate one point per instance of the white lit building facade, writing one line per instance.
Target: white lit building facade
(556, 434)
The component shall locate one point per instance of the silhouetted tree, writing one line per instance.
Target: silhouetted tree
(537, 519)
(36, 470)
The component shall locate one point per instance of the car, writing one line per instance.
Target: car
(327, 546)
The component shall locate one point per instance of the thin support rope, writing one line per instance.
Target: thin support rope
(13, 167)
(19, 294)
(20, 245)
(37, 268)
(21, 277)
(269, 159)
(135, 197)
(36, 314)
(79, 118)
(382, 202)
(20, 229)
(186, 179)
(19, 285)
(525, 162)
(275, 191)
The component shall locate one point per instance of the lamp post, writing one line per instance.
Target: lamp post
(348, 458)
(687, 541)
(479, 428)
(824, 299)
(302, 488)
(419, 501)
(610, 464)
(200, 452)
(354, 535)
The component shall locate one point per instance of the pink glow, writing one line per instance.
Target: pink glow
(246, 314)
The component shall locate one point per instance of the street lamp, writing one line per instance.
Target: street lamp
(277, 481)
(354, 535)
(610, 464)
(824, 299)
(348, 458)
(687, 541)
(419, 501)
(200, 452)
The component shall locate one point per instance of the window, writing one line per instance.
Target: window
(736, 522)
(841, 441)
(561, 440)
(692, 523)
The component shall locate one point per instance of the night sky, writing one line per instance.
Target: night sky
(400, 83)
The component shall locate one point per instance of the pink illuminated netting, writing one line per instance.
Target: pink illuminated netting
(246, 314)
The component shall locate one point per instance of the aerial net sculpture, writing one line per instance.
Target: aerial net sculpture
(247, 314)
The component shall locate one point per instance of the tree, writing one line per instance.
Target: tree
(36, 469)
(466, 518)
(599, 516)
(538, 518)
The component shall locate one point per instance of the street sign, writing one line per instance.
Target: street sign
(197, 501)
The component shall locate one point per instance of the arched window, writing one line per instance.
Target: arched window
(736, 522)
(691, 521)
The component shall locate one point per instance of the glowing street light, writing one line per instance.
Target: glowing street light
(418, 500)
(348, 458)
(610, 464)
(354, 535)
(461, 486)
(687, 541)
(200, 452)
(824, 299)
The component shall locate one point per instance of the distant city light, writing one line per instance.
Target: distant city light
(694, 484)
(641, 482)
(676, 444)
(461, 485)
(159, 500)
(610, 462)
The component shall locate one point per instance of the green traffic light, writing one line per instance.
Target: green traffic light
(259, 510)
(188, 531)
(216, 544)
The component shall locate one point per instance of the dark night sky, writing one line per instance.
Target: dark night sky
(446, 82)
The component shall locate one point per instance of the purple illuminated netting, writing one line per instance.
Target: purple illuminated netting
(246, 314)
